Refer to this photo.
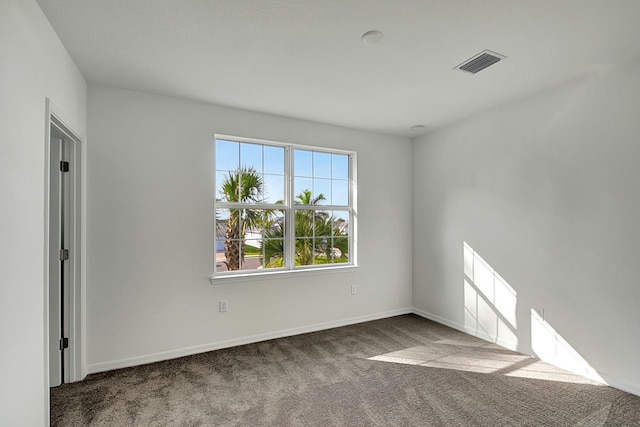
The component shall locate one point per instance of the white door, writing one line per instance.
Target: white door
(59, 232)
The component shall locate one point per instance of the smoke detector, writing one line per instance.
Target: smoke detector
(479, 62)
(372, 37)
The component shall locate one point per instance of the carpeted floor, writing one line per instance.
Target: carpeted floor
(401, 371)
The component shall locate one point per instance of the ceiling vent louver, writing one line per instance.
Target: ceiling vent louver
(479, 62)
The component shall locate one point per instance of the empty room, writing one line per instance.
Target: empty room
(314, 213)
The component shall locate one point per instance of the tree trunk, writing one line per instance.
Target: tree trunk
(234, 245)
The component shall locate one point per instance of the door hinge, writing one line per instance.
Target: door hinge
(63, 255)
(64, 343)
(64, 166)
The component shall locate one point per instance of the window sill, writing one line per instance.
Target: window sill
(272, 275)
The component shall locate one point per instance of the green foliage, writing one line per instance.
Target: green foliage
(252, 250)
(244, 185)
(319, 239)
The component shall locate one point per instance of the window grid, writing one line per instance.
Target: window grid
(330, 241)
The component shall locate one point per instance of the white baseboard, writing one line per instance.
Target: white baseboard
(188, 351)
(439, 319)
(621, 385)
(467, 330)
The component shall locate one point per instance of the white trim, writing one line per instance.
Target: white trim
(77, 315)
(233, 138)
(45, 279)
(439, 319)
(511, 345)
(222, 278)
(188, 351)
(289, 250)
(315, 207)
(353, 202)
(620, 385)
(239, 205)
(289, 208)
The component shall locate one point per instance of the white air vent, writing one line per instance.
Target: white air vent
(479, 62)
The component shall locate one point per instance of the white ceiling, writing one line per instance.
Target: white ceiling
(304, 58)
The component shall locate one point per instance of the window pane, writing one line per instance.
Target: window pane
(273, 188)
(221, 179)
(321, 165)
(322, 224)
(274, 160)
(227, 155)
(251, 156)
(252, 251)
(272, 246)
(240, 186)
(273, 253)
(340, 232)
(229, 227)
(274, 226)
(322, 250)
(304, 251)
(321, 191)
(340, 193)
(340, 251)
(302, 163)
(301, 185)
(304, 223)
(340, 166)
(229, 259)
(340, 223)
(313, 223)
(251, 238)
(245, 238)
(222, 216)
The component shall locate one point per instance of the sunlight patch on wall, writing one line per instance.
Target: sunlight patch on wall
(551, 347)
(489, 301)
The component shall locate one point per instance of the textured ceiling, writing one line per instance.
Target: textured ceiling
(304, 58)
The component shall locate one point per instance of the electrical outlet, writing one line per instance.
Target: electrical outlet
(223, 305)
(354, 289)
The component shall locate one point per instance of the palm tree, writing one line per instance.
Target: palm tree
(244, 185)
(272, 246)
(322, 236)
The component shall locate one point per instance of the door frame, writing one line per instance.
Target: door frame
(55, 118)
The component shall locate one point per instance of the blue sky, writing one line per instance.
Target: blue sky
(322, 173)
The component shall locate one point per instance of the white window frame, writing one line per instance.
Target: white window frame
(289, 209)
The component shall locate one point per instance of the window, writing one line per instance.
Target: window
(281, 207)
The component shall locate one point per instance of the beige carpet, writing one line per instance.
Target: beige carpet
(402, 371)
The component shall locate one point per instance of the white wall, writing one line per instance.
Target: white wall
(35, 65)
(150, 232)
(545, 191)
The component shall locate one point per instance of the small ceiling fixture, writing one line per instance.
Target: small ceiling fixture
(417, 128)
(479, 62)
(372, 37)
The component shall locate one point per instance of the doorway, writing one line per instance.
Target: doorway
(59, 239)
(64, 284)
